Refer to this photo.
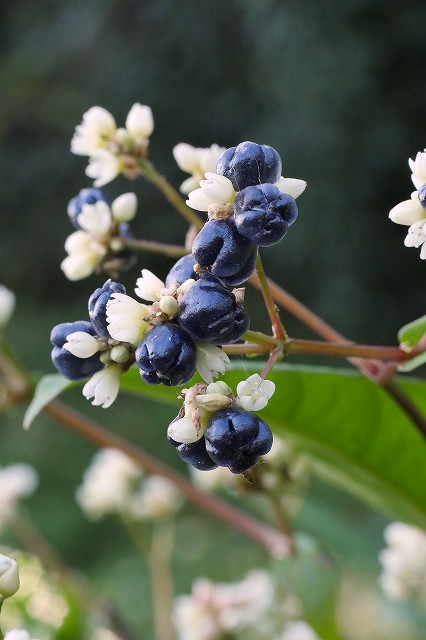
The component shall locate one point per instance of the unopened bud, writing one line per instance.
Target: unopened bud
(105, 357)
(119, 353)
(219, 387)
(123, 138)
(185, 286)
(169, 306)
(213, 401)
(116, 244)
(9, 577)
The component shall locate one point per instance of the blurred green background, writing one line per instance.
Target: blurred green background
(336, 88)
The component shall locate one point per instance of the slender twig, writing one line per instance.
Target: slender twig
(273, 541)
(169, 192)
(274, 356)
(171, 250)
(277, 326)
(313, 347)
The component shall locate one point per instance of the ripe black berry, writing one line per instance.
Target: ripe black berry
(223, 251)
(263, 214)
(194, 454)
(249, 164)
(167, 355)
(235, 438)
(182, 270)
(68, 365)
(210, 313)
(86, 196)
(98, 306)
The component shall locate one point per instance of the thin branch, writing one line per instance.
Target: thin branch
(172, 250)
(273, 541)
(277, 326)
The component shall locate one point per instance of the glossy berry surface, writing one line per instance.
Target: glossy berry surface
(422, 196)
(221, 249)
(182, 270)
(249, 164)
(263, 214)
(167, 355)
(91, 195)
(68, 365)
(210, 313)
(236, 438)
(98, 306)
(194, 454)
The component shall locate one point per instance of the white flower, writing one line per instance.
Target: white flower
(140, 122)
(403, 561)
(418, 167)
(17, 481)
(215, 610)
(149, 287)
(416, 237)
(409, 211)
(125, 317)
(298, 630)
(103, 167)
(82, 344)
(292, 186)
(124, 207)
(107, 483)
(96, 218)
(183, 430)
(7, 305)
(17, 634)
(103, 386)
(214, 190)
(98, 125)
(84, 255)
(9, 577)
(254, 393)
(196, 161)
(211, 361)
(157, 499)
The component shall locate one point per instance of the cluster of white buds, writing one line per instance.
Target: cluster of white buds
(98, 237)
(202, 401)
(412, 212)
(403, 562)
(217, 191)
(113, 150)
(114, 484)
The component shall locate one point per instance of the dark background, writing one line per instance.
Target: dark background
(337, 88)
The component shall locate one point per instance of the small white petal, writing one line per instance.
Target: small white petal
(140, 121)
(408, 212)
(219, 188)
(186, 157)
(199, 200)
(95, 218)
(103, 386)
(103, 167)
(98, 124)
(254, 393)
(124, 207)
(183, 430)
(190, 184)
(292, 186)
(82, 344)
(211, 361)
(125, 318)
(149, 286)
(77, 242)
(79, 265)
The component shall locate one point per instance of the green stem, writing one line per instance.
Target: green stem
(277, 326)
(169, 192)
(272, 540)
(261, 338)
(172, 250)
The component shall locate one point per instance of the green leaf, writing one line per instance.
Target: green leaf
(48, 387)
(409, 336)
(355, 434)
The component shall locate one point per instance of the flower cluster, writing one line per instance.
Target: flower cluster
(403, 562)
(212, 430)
(101, 232)
(113, 150)
(412, 212)
(114, 484)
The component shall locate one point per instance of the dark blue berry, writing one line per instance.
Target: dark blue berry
(194, 454)
(91, 195)
(98, 306)
(210, 313)
(167, 354)
(236, 438)
(181, 271)
(263, 214)
(68, 365)
(249, 164)
(243, 274)
(223, 251)
(422, 196)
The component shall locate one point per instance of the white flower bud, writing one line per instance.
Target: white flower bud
(213, 401)
(119, 353)
(149, 286)
(293, 186)
(125, 317)
(103, 386)
(7, 305)
(408, 212)
(183, 430)
(90, 135)
(9, 577)
(169, 305)
(140, 121)
(219, 387)
(95, 218)
(79, 265)
(418, 167)
(215, 190)
(185, 286)
(82, 344)
(124, 207)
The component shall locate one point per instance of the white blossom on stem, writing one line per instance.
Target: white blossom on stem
(411, 211)
(124, 207)
(416, 237)
(125, 317)
(197, 162)
(9, 577)
(214, 190)
(103, 386)
(211, 361)
(254, 393)
(82, 344)
(91, 135)
(140, 122)
(149, 287)
(103, 167)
